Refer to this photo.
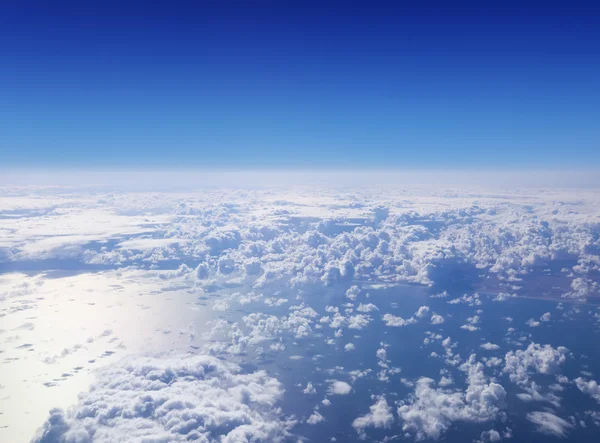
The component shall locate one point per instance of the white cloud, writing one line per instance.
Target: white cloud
(149, 243)
(490, 436)
(315, 418)
(337, 387)
(471, 322)
(358, 321)
(470, 328)
(352, 292)
(430, 411)
(549, 424)
(590, 388)
(369, 307)
(177, 399)
(483, 230)
(536, 358)
(437, 319)
(380, 416)
(310, 389)
(392, 320)
(422, 312)
(489, 346)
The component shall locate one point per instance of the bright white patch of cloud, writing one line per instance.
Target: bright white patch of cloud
(339, 388)
(310, 389)
(422, 312)
(358, 321)
(394, 321)
(369, 307)
(380, 416)
(437, 319)
(315, 418)
(430, 411)
(536, 358)
(591, 388)
(177, 399)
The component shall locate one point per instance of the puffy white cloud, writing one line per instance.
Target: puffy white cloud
(471, 322)
(422, 312)
(337, 387)
(470, 328)
(315, 418)
(591, 388)
(381, 354)
(491, 435)
(180, 398)
(582, 287)
(492, 362)
(437, 319)
(489, 346)
(310, 389)
(536, 358)
(358, 321)
(549, 424)
(392, 320)
(430, 411)
(352, 292)
(445, 381)
(368, 307)
(380, 416)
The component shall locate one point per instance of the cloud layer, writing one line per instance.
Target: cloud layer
(180, 398)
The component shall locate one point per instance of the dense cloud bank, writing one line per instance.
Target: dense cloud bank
(180, 398)
(321, 235)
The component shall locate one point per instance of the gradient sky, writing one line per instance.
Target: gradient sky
(299, 84)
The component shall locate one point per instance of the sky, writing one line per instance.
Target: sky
(299, 84)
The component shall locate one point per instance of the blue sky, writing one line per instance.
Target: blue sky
(300, 84)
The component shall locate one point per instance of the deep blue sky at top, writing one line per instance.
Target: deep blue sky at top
(299, 84)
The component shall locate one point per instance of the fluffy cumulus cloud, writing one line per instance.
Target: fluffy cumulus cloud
(589, 387)
(541, 359)
(521, 365)
(310, 389)
(422, 312)
(397, 322)
(337, 387)
(437, 319)
(431, 410)
(321, 235)
(315, 418)
(181, 398)
(380, 416)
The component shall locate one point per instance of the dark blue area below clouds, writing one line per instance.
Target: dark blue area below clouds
(300, 83)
